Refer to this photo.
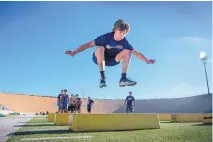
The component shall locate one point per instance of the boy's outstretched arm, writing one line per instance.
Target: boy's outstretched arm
(81, 48)
(142, 57)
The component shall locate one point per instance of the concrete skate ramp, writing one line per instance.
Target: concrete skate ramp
(35, 104)
(27, 103)
(194, 104)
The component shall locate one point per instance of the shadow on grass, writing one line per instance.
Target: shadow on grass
(39, 132)
(201, 125)
(36, 125)
(169, 122)
(36, 122)
(62, 132)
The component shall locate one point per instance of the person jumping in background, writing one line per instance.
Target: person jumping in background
(112, 48)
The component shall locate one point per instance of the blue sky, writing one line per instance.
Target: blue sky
(35, 35)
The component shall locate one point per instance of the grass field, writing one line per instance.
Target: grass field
(38, 127)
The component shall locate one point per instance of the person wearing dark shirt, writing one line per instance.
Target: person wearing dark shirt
(78, 104)
(58, 101)
(112, 47)
(128, 102)
(90, 103)
(64, 102)
(71, 106)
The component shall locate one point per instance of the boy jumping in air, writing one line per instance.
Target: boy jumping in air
(111, 48)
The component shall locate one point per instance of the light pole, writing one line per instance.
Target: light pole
(204, 59)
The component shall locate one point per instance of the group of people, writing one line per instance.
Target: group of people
(74, 102)
(71, 104)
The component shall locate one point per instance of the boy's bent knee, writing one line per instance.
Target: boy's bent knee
(100, 49)
(123, 54)
(127, 51)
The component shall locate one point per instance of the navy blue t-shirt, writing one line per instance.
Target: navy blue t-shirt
(90, 102)
(129, 100)
(64, 100)
(59, 98)
(112, 47)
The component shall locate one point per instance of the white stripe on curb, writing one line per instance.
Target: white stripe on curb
(57, 138)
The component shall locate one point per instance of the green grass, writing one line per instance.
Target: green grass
(10, 115)
(38, 127)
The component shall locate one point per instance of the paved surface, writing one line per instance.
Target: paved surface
(11, 124)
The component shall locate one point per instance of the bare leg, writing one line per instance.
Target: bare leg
(99, 53)
(59, 108)
(125, 55)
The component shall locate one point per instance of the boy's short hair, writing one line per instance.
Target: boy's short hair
(120, 24)
(65, 90)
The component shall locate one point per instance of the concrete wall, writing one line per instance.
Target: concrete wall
(28, 104)
(195, 104)
(36, 104)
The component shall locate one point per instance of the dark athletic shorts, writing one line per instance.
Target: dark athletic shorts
(64, 107)
(77, 107)
(89, 108)
(109, 61)
(129, 108)
(71, 108)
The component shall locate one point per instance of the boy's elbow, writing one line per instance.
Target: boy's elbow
(91, 44)
(139, 55)
(136, 53)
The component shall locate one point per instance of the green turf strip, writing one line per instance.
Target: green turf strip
(38, 127)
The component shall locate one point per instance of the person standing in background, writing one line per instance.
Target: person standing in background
(78, 103)
(128, 102)
(90, 103)
(59, 101)
(71, 106)
(64, 101)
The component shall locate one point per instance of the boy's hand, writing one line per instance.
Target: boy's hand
(70, 53)
(151, 61)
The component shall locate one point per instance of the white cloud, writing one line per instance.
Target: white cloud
(200, 44)
(184, 90)
(194, 39)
